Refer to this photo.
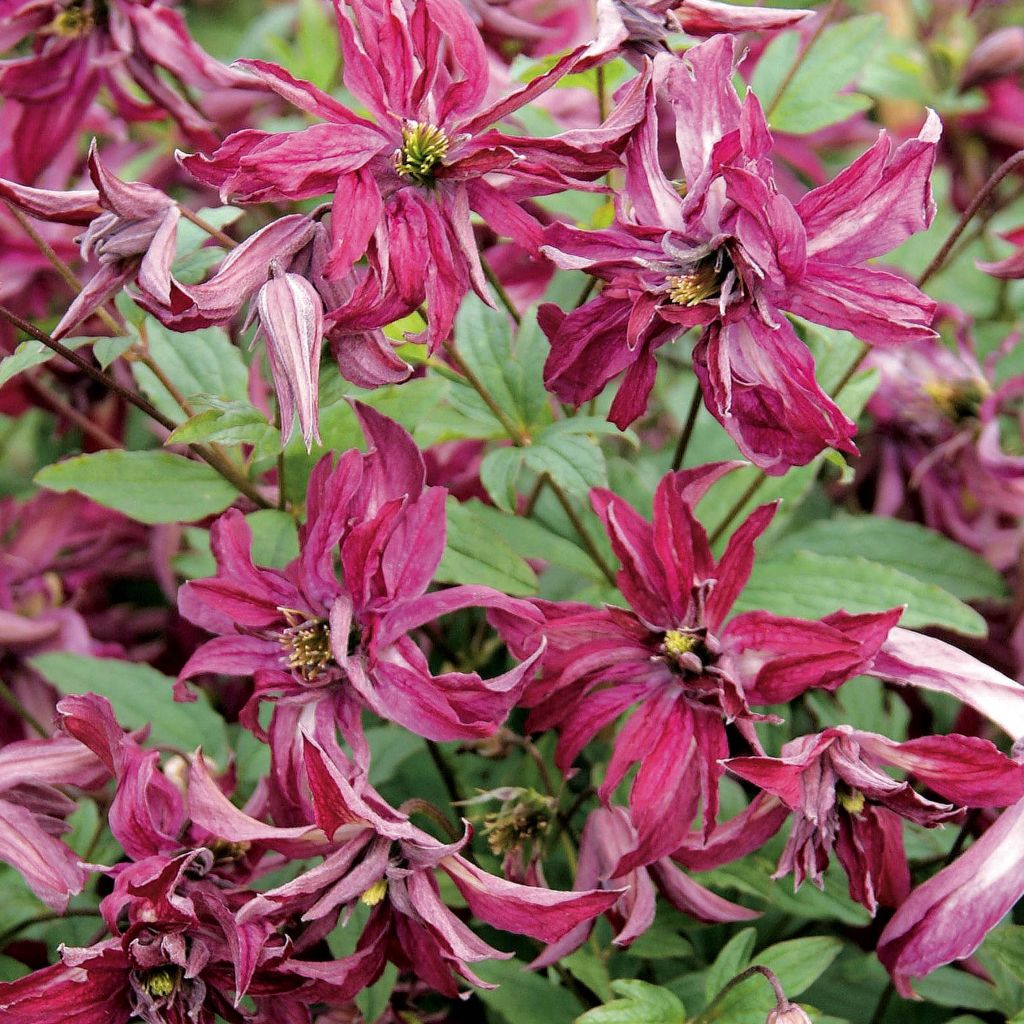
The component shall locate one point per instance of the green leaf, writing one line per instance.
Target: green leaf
(641, 1003)
(523, 995)
(236, 423)
(574, 461)
(11, 968)
(373, 1000)
(812, 98)
(139, 695)
(531, 539)
(201, 362)
(951, 987)
(807, 585)
(732, 958)
(510, 371)
(31, 353)
(798, 963)
(106, 350)
(475, 553)
(499, 471)
(151, 486)
(909, 547)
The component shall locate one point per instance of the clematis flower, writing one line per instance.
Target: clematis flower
(311, 637)
(636, 29)
(844, 802)
(175, 954)
(404, 184)
(33, 808)
(132, 232)
(373, 854)
(607, 838)
(727, 252)
(943, 449)
(948, 917)
(79, 46)
(675, 660)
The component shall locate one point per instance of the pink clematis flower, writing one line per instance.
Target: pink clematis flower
(131, 233)
(33, 808)
(636, 29)
(843, 802)
(943, 447)
(675, 659)
(727, 252)
(373, 854)
(311, 637)
(79, 46)
(404, 184)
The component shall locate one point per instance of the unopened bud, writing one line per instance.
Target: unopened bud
(788, 1014)
(999, 53)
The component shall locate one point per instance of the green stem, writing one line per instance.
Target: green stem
(781, 1002)
(212, 458)
(798, 63)
(23, 712)
(499, 288)
(1005, 168)
(687, 431)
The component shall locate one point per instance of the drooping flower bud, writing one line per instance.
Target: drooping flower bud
(291, 316)
(999, 53)
(789, 1014)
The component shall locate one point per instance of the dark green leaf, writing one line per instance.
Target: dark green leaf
(139, 695)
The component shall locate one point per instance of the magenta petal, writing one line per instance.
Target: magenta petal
(947, 917)
(912, 659)
(524, 909)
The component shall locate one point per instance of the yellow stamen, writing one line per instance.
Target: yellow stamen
(375, 893)
(852, 801)
(160, 982)
(71, 23)
(424, 147)
(677, 643)
(307, 643)
(698, 285)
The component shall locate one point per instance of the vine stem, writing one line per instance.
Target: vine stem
(5, 937)
(798, 63)
(1005, 168)
(687, 431)
(213, 459)
(7, 696)
(506, 301)
(62, 408)
(781, 1002)
(69, 277)
(225, 240)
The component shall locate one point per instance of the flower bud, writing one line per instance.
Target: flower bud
(999, 53)
(291, 315)
(788, 1014)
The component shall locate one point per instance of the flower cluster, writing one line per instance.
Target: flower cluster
(511, 655)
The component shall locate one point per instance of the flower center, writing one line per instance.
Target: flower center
(677, 643)
(423, 149)
(523, 818)
(957, 400)
(72, 23)
(160, 982)
(851, 800)
(307, 644)
(688, 289)
(375, 893)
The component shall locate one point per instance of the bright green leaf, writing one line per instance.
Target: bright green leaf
(807, 585)
(641, 1003)
(150, 486)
